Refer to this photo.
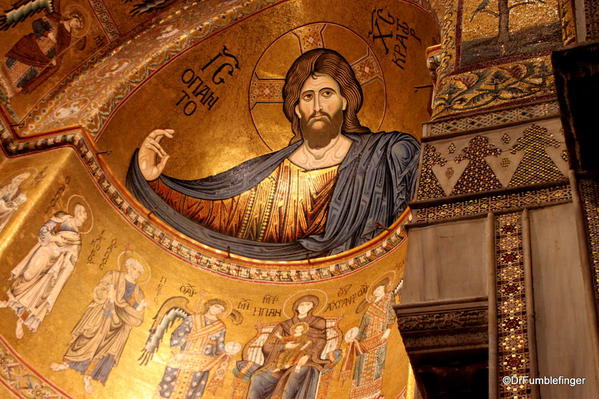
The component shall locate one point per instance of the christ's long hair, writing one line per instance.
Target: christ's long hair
(328, 62)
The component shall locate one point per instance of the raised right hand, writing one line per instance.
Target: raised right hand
(152, 157)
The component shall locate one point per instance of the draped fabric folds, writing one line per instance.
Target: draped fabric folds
(374, 183)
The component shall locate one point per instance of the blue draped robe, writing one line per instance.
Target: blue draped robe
(374, 184)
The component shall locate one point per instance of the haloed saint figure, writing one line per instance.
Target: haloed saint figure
(335, 187)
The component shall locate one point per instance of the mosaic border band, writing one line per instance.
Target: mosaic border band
(589, 193)
(106, 20)
(22, 380)
(164, 239)
(513, 357)
(494, 203)
(490, 119)
(438, 326)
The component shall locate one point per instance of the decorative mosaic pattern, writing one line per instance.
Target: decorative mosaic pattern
(536, 166)
(429, 186)
(502, 159)
(90, 96)
(22, 380)
(566, 13)
(438, 328)
(166, 240)
(108, 24)
(494, 86)
(495, 203)
(591, 14)
(589, 193)
(478, 175)
(447, 58)
(512, 324)
(491, 119)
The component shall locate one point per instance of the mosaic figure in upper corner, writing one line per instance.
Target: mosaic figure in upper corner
(99, 338)
(200, 355)
(41, 275)
(11, 198)
(365, 360)
(38, 55)
(292, 359)
(336, 186)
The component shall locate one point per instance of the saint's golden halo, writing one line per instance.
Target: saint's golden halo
(391, 275)
(290, 301)
(124, 255)
(198, 305)
(265, 90)
(77, 199)
(76, 9)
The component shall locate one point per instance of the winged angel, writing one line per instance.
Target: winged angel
(200, 354)
(38, 55)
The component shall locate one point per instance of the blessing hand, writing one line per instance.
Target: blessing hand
(152, 158)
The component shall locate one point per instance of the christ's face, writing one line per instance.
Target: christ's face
(320, 109)
(299, 330)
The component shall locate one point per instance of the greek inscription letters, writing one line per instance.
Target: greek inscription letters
(266, 312)
(269, 299)
(244, 304)
(107, 253)
(161, 284)
(230, 64)
(188, 289)
(393, 33)
(197, 90)
(350, 300)
(95, 245)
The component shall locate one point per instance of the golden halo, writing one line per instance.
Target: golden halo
(391, 275)
(147, 274)
(288, 304)
(199, 305)
(268, 77)
(71, 210)
(85, 17)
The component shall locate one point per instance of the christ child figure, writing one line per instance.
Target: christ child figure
(294, 346)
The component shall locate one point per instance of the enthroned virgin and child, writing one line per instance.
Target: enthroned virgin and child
(335, 187)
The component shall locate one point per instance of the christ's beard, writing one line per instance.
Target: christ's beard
(322, 136)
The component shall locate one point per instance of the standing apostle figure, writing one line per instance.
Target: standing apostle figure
(41, 275)
(100, 336)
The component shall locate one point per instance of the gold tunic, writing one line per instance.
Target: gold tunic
(289, 204)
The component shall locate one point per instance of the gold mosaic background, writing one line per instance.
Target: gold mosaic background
(120, 106)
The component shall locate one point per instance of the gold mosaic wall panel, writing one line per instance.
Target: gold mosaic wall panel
(90, 259)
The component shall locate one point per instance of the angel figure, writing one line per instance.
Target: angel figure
(37, 55)
(367, 350)
(11, 198)
(200, 355)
